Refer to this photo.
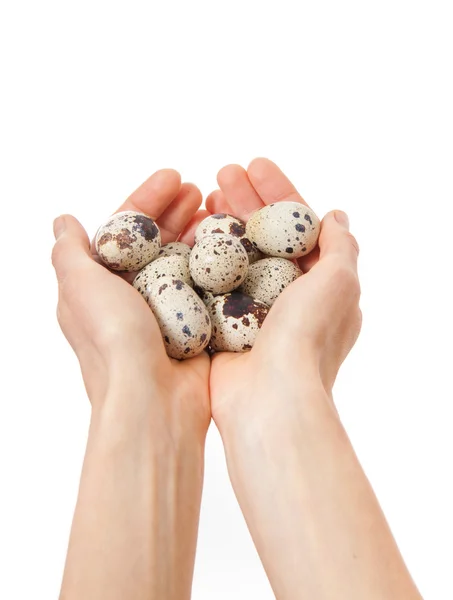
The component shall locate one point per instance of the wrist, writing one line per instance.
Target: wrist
(136, 405)
(277, 401)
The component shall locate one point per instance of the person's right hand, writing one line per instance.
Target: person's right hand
(311, 327)
(310, 509)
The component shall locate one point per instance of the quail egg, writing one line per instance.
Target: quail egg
(218, 263)
(284, 229)
(267, 278)
(178, 248)
(182, 317)
(174, 266)
(223, 223)
(236, 319)
(128, 241)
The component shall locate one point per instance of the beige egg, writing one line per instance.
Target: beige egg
(229, 225)
(267, 278)
(182, 317)
(236, 319)
(218, 263)
(174, 266)
(178, 248)
(128, 241)
(284, 229)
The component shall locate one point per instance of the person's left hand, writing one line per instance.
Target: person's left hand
(110, 326)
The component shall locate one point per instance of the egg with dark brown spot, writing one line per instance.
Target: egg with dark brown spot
(284, 229)
(174, 266)
(218, 263)
(236, 319)
(184, 322)
(128, 241)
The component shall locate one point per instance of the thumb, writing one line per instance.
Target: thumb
(336, 240)
(72, 246)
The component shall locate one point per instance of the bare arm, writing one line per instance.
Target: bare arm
(310, 509)
(135, 525)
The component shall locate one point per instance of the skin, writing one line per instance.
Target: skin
(311, 511)
(136, 519)
(309, 507)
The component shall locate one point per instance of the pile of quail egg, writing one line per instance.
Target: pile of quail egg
(219, 292)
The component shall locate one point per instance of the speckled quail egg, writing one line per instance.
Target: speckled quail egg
(173, 266)
(224, 223)
(178, 248)
(204, 295)
(182, 317)
(218, 263)
(267, 278)
(284, 229)
(128, 241)
(236, 319)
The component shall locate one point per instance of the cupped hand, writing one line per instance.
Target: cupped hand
(311, 327)
(107, 322)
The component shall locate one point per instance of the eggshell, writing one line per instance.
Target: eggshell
(174, 266)
(218, 263)
(182, 317)
(284, 229)
(128, 241)
(229, 225)
(178, 248)
(267, 278)
(236, 319)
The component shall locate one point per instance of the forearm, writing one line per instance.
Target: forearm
(136, 520)
(312, 513)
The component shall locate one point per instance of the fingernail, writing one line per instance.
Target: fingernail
(59, 225)
(342, 218)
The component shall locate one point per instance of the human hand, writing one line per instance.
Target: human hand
(311, 327)
(108, 324)
(135, 525)
(312, 513)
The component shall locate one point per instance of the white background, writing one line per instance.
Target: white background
(354, 101)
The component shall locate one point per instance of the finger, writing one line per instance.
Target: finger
(216, 203)
(176, 216)
(188, 235)
(336, 240)
(271, 183)
(238, 191)
(72, 246)
(154, 195)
